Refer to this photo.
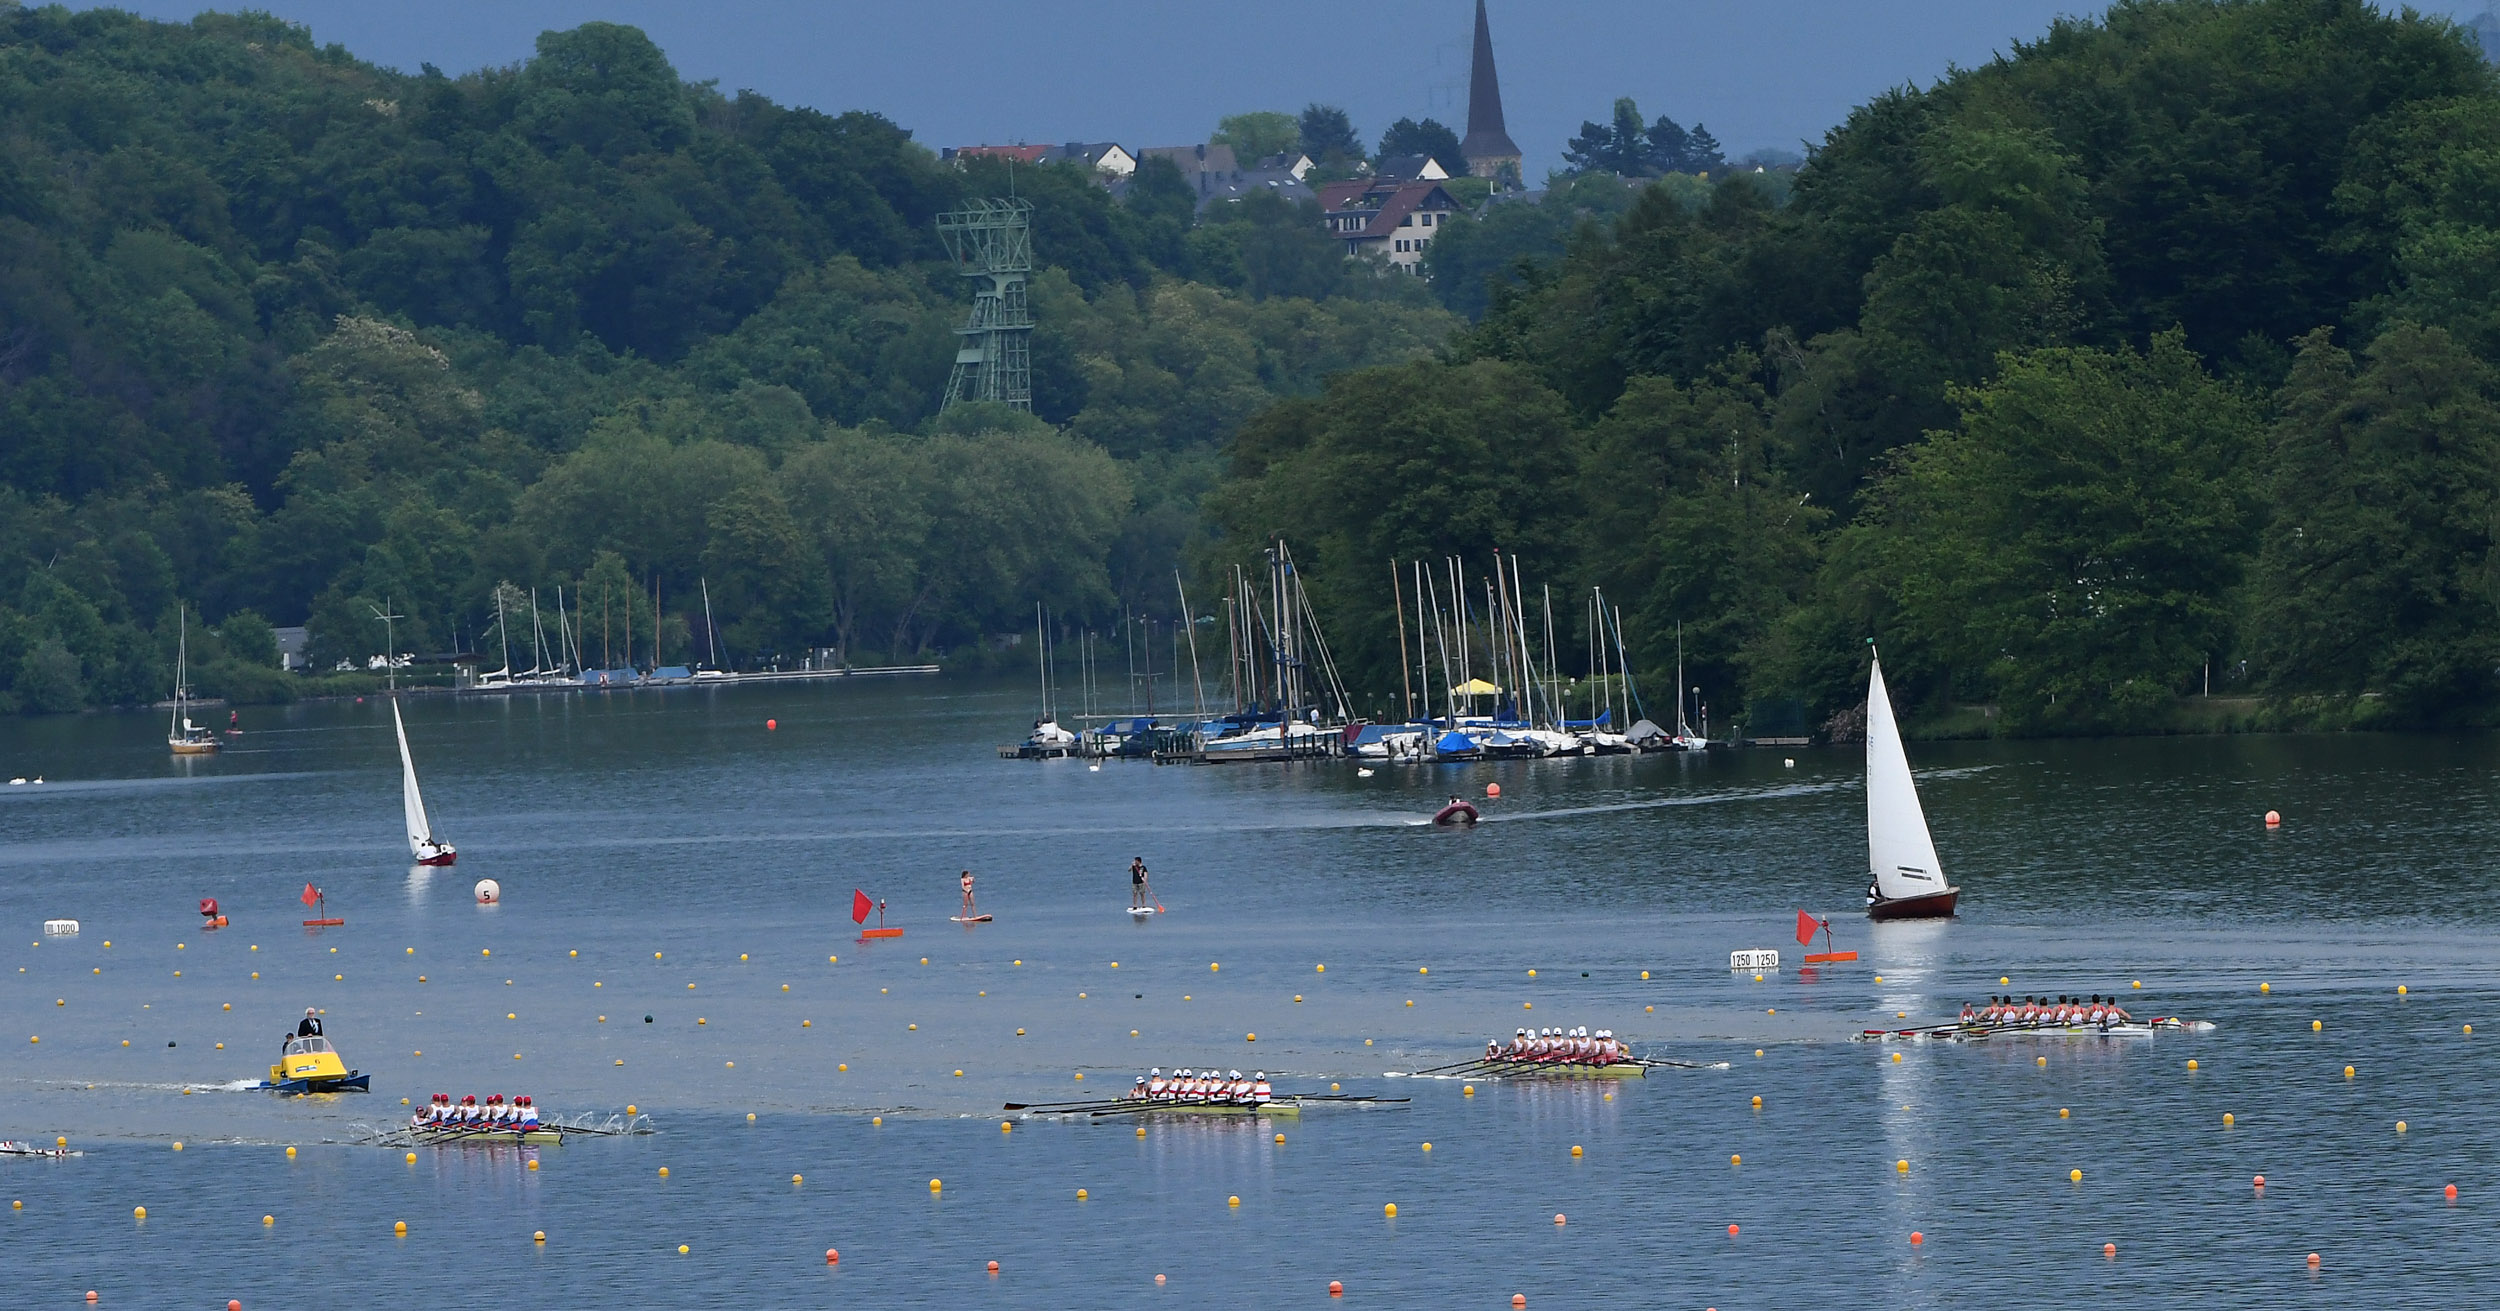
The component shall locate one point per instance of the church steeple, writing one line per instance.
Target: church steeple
(1488, 149)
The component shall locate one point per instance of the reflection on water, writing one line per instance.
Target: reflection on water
(663, 856)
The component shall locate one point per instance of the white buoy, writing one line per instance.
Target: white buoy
(1789, 762)
(488, 892)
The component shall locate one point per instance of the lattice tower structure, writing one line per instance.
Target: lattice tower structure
(991, 241)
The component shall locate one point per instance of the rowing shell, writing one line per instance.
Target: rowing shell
(538, 1137)
(1284, 1108)
(29, 1149)
(1976, 1032)
(1534, 1070)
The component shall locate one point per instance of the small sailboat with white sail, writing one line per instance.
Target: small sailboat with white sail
(183, 736)
(1908, 880)
(422, 845)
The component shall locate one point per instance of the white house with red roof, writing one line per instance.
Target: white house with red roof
(1393, 220)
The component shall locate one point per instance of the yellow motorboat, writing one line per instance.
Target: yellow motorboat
(311, 1065)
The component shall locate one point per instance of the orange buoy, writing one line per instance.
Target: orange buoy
(1917, 1238)
(2109, 1249)
(993, 1267)
(2258, 1182)
(832, 1257)
(1495, 790)
(1731, 1231)
(2452, 1192)
(1558, 1217)
(2313, 1260)
(1518, 1299)
(772, 725)
(1158, 1281)
(1336, 1289)
(2274, 819)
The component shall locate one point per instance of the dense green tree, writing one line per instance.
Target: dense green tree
(1327, 135)
(2378, 572)
(1255, 136)
(1407, 137)
(2071, 546)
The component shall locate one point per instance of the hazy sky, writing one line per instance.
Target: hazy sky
(1151, 72)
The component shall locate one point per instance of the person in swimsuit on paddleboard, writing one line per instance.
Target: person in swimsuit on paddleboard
(967, 882)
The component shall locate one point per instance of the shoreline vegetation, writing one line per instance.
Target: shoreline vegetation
(2154, 356)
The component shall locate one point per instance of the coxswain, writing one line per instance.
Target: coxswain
(1493, 1049)
(423, 1116)
(528, 1111)
(1260, 1090)
(1969, 1013)
(1137, 1090)
(310, 1025)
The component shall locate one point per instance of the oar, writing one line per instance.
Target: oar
(1044, 1106)
(1349, 1097)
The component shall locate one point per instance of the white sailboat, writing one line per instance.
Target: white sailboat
(421, 844)
(185, 737)
(1908, 880)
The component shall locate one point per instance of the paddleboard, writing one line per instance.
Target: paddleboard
(970, 919)
(1141, 910)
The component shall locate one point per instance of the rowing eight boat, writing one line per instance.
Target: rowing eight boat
(1975, 1032)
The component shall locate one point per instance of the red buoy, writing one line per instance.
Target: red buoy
(772, 725)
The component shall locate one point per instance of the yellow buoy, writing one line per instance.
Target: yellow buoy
(268, 1220)
(2074, 1176)
(664, 1172)
(1901, 1166)
(682, 1249)
(1736, 1160)
(2061, 1112)
(533, 1164)
(2191, 1063)
(2316, 1025)
(1391, 1210)
(1644, 974)
(412, 1158)
(1233, 1200)
(1757, 1101)
(1468, 1091)
(2229, 1119)
(935, 1185)
(2400, 990)
(2265, 987)
(2400, 1126)
(177, 1145)
(139, 1212)
(1141, 1131)
(400, 1227)
(1575, 1149)
(290, 1153)
(2347, 1071)
(538, 1236)
(1280, 1140)
(1080, 1194)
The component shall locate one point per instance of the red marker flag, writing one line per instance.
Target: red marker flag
(1807, 927)
(311, 895)
(860, 906)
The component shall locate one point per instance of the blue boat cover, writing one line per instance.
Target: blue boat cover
(1454, 742)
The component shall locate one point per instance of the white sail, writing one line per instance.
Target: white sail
(1898, 848)
(419, 831)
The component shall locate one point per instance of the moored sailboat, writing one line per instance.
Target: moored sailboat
(1908, 880)
(185, 737)
(422, 846)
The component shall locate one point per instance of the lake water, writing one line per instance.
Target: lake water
(664, 855)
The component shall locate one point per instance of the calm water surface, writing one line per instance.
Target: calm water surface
(664, 856)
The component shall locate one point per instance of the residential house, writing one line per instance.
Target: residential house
(1410, 168)
(1294, 162)
(1394, 220)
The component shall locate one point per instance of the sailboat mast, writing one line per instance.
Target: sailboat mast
(711, 635)
(182, 662)
(1197, 684)
(1397, 603)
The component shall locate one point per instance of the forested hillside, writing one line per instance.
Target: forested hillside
(284, 335)
(2161, 347)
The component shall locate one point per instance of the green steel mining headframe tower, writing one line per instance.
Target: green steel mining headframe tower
(992, 243)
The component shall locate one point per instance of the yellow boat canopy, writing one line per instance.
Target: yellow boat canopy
(1477, 687)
